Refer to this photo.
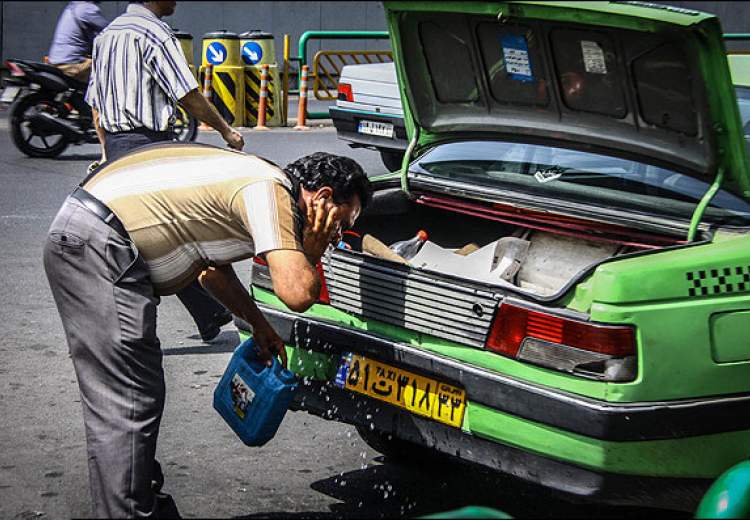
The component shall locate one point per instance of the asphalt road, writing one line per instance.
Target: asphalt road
(312, 468)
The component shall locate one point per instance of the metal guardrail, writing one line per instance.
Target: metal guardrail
(327, 67)
(331, 35)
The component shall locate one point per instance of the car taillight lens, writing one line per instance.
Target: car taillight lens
(345, 92)
(262, 278)
(15, 70)
(584, 348)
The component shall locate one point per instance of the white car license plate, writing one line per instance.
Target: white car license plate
(9, 94)
(375, 128)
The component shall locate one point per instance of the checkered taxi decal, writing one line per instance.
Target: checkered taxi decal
(719, 281)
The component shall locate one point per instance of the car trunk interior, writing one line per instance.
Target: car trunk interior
(546, 261)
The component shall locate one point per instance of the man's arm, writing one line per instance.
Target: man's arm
(92, 18)
(295, 280)
(197, 105)
(223, 284)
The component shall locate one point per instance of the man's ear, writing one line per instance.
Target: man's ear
(324, 193)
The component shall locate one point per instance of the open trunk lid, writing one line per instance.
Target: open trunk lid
(640, 81)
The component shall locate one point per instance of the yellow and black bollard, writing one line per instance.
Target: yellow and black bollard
(186, 44)
(257, 49)
(221, 49)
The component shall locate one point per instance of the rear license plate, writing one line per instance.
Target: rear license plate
(418, 394)
(9, 94)
(375, 128)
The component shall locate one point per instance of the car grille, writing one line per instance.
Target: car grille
(434, 305)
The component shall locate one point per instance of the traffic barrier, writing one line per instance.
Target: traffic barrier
(327, 67)
(302, 110)
(221, 49)
(258, 49)
(331, 35)
(252, 95)
(186, 45)
(263, 98)
(207, 78)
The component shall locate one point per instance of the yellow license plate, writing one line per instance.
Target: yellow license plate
(418, 394)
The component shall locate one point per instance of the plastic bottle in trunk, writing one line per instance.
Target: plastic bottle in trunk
(408, 248)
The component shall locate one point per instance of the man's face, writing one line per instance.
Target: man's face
(346, 215)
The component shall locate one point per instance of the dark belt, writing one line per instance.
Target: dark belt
(99, 209)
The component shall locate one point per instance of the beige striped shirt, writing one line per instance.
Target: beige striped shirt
(190, 206)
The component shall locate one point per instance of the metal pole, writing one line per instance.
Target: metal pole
(332, 35)
(285, 84)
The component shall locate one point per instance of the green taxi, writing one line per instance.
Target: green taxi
(597, 151)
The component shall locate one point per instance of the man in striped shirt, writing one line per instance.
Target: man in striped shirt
(143, 227)
(139, 73)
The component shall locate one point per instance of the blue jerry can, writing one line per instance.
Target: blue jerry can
(253, 398)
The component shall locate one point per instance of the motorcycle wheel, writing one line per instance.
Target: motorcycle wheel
(185, 126)
(24, 136)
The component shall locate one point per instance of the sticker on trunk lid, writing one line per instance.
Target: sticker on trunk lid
(593, 57)
(516, 56)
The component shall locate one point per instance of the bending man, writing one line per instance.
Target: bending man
(146, 226)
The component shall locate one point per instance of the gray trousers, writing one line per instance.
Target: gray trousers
(108, 309)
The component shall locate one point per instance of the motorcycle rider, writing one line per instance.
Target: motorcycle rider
(78, 25)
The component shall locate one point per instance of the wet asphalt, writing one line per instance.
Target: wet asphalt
(312, 469)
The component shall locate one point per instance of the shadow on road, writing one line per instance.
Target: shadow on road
(414, 489)
(79, 157)
(226, 341)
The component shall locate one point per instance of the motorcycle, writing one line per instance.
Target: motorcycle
(48, 110)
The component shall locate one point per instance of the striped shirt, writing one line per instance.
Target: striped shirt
(138, 73)
(190, 206)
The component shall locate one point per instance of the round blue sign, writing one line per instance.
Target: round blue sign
(252, 53)
(216, 53)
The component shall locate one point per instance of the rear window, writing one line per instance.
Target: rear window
(517, 169)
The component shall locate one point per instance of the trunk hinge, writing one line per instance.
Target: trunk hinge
(405, 163)
(700, 209)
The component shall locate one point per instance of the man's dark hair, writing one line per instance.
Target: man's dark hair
(343, 175)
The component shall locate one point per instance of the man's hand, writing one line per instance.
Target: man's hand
(197, 105)
(320, 229)
(269, 344)
(234, 139)
(223, 284)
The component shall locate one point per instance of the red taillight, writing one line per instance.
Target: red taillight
(15, 70)
(514, 324)
(345, 92)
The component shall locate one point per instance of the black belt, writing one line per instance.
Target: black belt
(99, 209)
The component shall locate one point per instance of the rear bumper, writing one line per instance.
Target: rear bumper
(595, 421)
(346, 123)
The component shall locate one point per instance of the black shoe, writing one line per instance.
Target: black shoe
(165, 506)
(213, 330)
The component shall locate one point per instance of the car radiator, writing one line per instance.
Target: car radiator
(432, 304)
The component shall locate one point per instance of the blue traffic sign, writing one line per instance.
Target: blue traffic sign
(252, 53)
(216, 53)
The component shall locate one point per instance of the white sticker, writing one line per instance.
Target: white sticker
(593, 57)
(242, 395)
(516, 56)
